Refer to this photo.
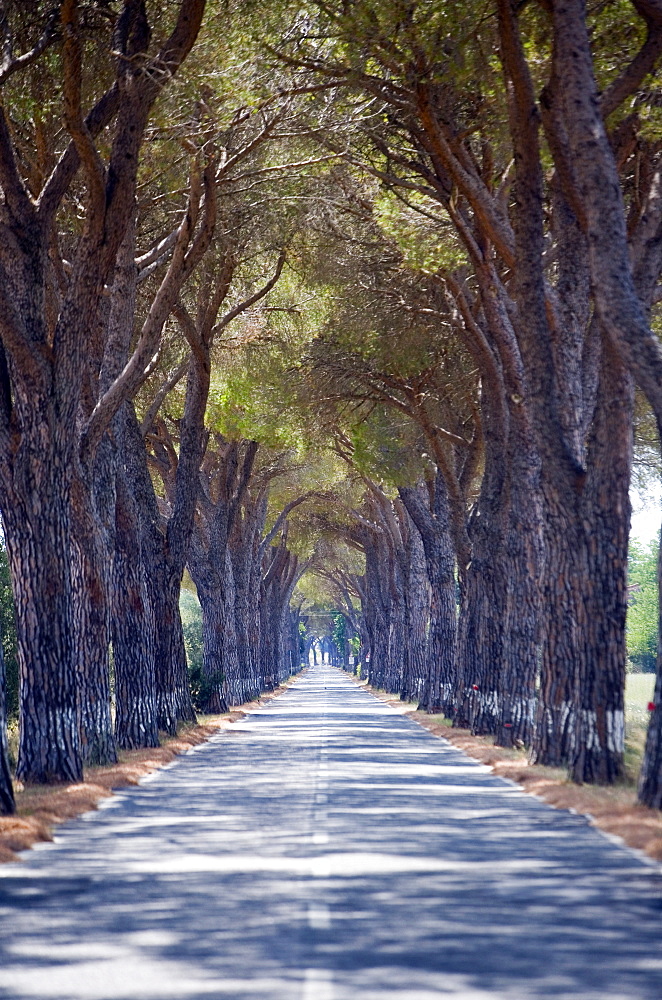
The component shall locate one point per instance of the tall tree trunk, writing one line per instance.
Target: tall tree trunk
(173, 699)
(269, 638)
(417, 595)
(39, 549)
(522, 561)
(480, 637)
(93, 501)
(235, 692)
(550, 347)
(42, 361)
(397, 636)
(225, 476)
(133, 632)
(378, 617)
(220, 665)
(92, 634)
(244, 612)
(564, 590)
(432, 519)
(481, 617)
(598, 746)
(244, 554)
(214, 623)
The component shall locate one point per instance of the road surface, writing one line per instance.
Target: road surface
(328, 848)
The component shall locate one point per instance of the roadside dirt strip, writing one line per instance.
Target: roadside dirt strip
(326, 847)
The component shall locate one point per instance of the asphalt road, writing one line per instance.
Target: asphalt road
(329, 848)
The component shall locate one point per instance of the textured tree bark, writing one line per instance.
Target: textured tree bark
(598, 745)
(477, 700)
(269, 640)
(547, 343)
(288, 662)
(620, 294)
(292, 656)
(245, 614)
(215, 586)
(480, 637)
(379, 611)
(254, 583)
(133, 631)
(521, 645)
(233, 686)
(173, 698)
(417, 598)
(92, 635)
(7, 802)
(215, 621)
(397, 637)
(93, 502)
(182, 484)
(522, 561)
(275, 592)
(39, 549)
(432, 519)
(225, 476)
(564, 588)
(43, 360)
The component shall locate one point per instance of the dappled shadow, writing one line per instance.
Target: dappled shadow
(328, 848)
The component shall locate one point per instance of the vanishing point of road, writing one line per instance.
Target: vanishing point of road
(329, 848)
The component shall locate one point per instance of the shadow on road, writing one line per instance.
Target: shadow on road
(328, 848)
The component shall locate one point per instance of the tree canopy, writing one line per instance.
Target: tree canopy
(350, 312)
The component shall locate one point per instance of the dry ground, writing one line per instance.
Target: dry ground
(613, 809)
(39, 808)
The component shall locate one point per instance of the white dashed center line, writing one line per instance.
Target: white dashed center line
(317, 985)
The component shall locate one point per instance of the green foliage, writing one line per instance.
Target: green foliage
(8, 635)
(203, 687)
(642, 619)
(647, 468)
(421, 232)
(387, 448)
(189, 608)
(248, 398)
(338, 631)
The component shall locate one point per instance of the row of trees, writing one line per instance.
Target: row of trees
(421, 240)
(530, 150)
(123, 262)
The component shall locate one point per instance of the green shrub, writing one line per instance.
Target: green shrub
(642, 619)
(191, 612)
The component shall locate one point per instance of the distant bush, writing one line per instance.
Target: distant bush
(642, 619)
(189, 609)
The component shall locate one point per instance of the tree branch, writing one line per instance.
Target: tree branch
(643, 63)
(11, 64)
(72, 84)
(175, 376)
(181, 265)
(252, 299)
